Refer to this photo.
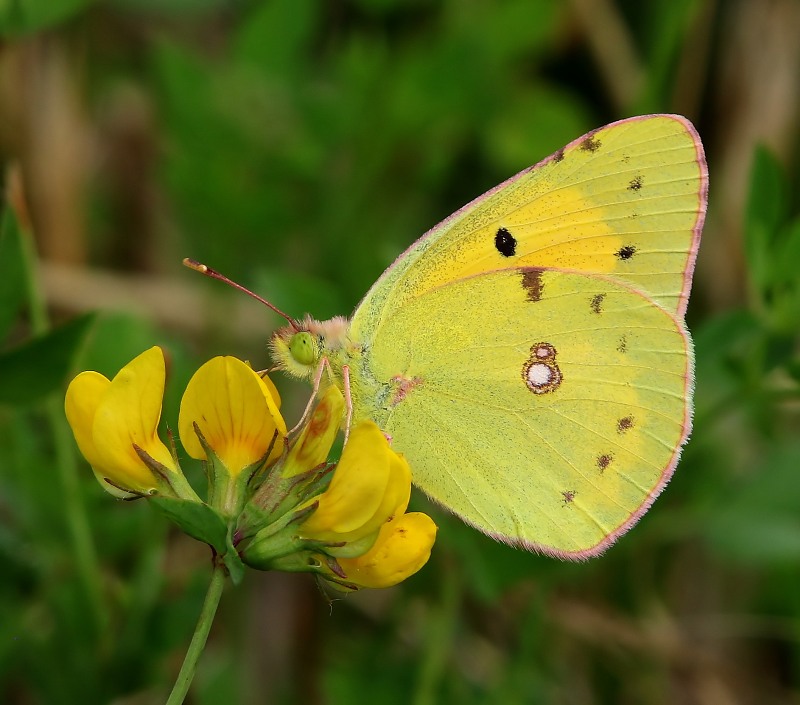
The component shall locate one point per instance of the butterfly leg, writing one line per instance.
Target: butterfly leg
(323, 363)
(348, 400)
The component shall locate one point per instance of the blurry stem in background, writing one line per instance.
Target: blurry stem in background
(440, 630)
(201, 631)
(613, 49)
(65, 460)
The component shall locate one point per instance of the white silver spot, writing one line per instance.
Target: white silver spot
(539, 374)
(542, 378)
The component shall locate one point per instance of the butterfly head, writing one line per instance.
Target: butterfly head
(299, 349)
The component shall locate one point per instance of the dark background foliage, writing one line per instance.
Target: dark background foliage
(299, 146)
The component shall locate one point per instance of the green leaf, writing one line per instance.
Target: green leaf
(12, 272)
(196, 519)
(40, 366)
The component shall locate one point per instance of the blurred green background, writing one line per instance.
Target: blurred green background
(299, 146)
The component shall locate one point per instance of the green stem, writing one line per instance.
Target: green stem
(66, 465)
(201, 631)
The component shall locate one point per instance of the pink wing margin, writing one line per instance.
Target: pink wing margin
(691, 258)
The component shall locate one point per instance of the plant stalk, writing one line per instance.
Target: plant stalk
(184, 680)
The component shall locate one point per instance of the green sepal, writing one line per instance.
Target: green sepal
(339, 585)
(354, 549)
(262, 551)
(334, 576)
(226, 494)
(325, 568)
(251, 521)
(261, 470)
(170, 483)
(242, 485)
(196, 519)
(216, 473)
(302, 562)
(278, 495)
(233, 562)
(278, 539)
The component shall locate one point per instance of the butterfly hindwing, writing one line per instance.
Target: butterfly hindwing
(546, 407)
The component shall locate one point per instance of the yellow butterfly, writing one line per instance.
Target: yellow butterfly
(528, 354)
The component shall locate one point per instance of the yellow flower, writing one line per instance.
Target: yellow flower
(237, 412)
(353, 534)
(402, 548)
(110, 417)
(370, 485)
(315, 440)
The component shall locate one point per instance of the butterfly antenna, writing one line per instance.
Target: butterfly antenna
(214, 274)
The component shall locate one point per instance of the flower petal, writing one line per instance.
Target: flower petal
(402, 548)
(128, 414)
(236, 412)
(367, 487)
(398, 492)
(273, 390)
(80, 406)
(314, 443)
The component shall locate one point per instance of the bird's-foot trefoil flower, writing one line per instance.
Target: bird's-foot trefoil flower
(354, 510)
(273, 502)
(115, 423)
(230, 419)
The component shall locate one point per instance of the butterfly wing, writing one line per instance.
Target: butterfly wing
(545, 407)
(528, 353)
(627, 200)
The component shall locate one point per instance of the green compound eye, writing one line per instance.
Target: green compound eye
(303, 348)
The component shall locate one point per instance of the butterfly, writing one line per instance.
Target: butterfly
(529, 355)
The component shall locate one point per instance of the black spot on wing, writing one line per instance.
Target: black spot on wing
(636, 183)
(505, 242)
(596, 303)
(625, 252)
(622, 345)
(625, 424)
(604, 460)
(558, 156)
(532, 283)
(590, 144)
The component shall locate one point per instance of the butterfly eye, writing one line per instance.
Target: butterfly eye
(304, 348)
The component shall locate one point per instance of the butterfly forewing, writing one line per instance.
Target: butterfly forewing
(626, 200)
